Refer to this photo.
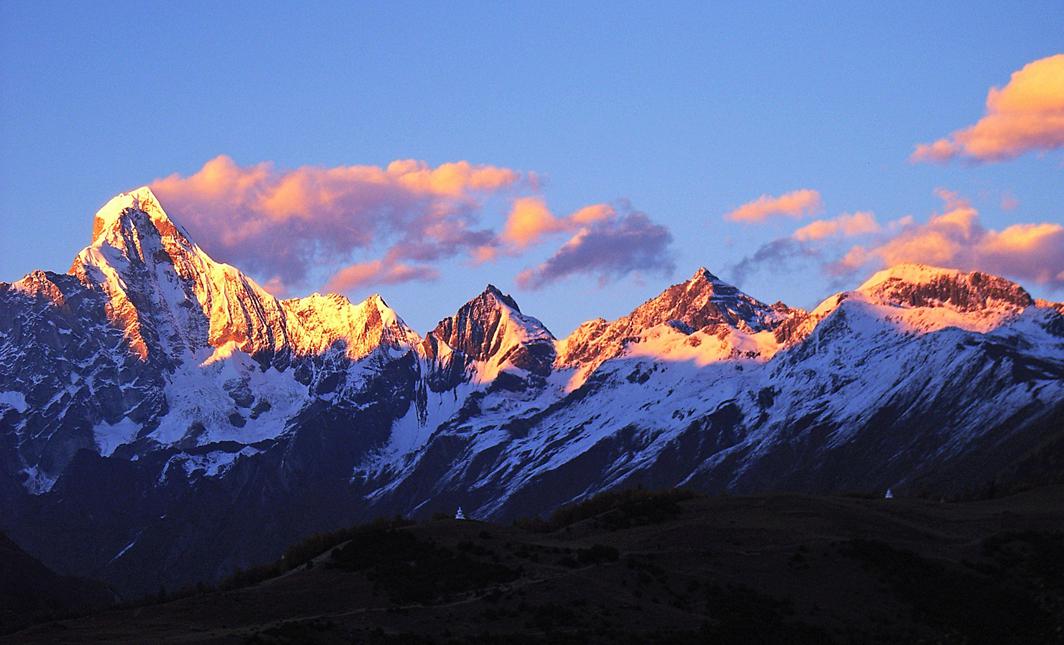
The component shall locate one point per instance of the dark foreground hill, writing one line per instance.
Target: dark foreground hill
(646, 567)
(30, 592)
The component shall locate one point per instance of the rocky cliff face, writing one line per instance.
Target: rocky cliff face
(487, 337)
(163, 418)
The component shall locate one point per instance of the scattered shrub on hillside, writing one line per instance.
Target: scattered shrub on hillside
(301, 553)
(616, 510)
(409, 569)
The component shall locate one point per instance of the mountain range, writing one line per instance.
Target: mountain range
(164, 420)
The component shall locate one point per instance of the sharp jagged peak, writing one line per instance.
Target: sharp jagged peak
(701, 300)
(132, 231)
(113, 218)
(490, 325)
(504, 298)
(704, 300)
(703, 276)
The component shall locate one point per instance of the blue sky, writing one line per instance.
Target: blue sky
(686, 111)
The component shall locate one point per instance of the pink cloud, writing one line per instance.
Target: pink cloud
(1025, 115)
(956, 238)
(280, 223)
(530, 220)
(798, 203)
(357, 276)
(845, 225)
(608, 248)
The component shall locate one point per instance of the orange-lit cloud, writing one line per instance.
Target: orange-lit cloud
(291, 226)
(357, 276)
(530, 220)
(956, 238)
(845, 225)
(607, 248)
(1025, 115)
(798, 203)
(282, 223)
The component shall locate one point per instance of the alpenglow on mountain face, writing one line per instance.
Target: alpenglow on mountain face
(163, 418)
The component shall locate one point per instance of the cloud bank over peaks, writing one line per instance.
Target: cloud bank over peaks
(956, 238)
(530, 220)
(281, 223)
(372, 225)
(845, 225)
(855, 243)
(806, 242)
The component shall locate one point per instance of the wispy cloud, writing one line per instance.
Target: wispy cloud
(846, 225)
(1025, 115)
(954, 237)
(798, 203)
(1009, 202)
(607, 248)
(359, 275)
(806, 242)
(777, 253)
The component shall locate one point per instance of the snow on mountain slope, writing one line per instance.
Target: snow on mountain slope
(983, 301)
(319, 323)
(171, 346)
(168, 295)
(704, 319)
(964, 352)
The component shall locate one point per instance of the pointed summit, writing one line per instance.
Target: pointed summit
(167, 294)
(702, 301)
(703, 275)
(489, 330)
(504, 298)
(479, 326)
(121, 212)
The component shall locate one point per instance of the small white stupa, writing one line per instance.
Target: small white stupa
(889, 495)
(459, 515)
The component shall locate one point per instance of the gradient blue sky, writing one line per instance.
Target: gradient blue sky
(685, 110)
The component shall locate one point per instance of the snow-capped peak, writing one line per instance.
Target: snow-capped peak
(911, 272)
(920, 285)
(170, 296)
(111, 219)
(319, 322)
(504, 299)
(702, 276)
(702, 301)
(491, 332)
